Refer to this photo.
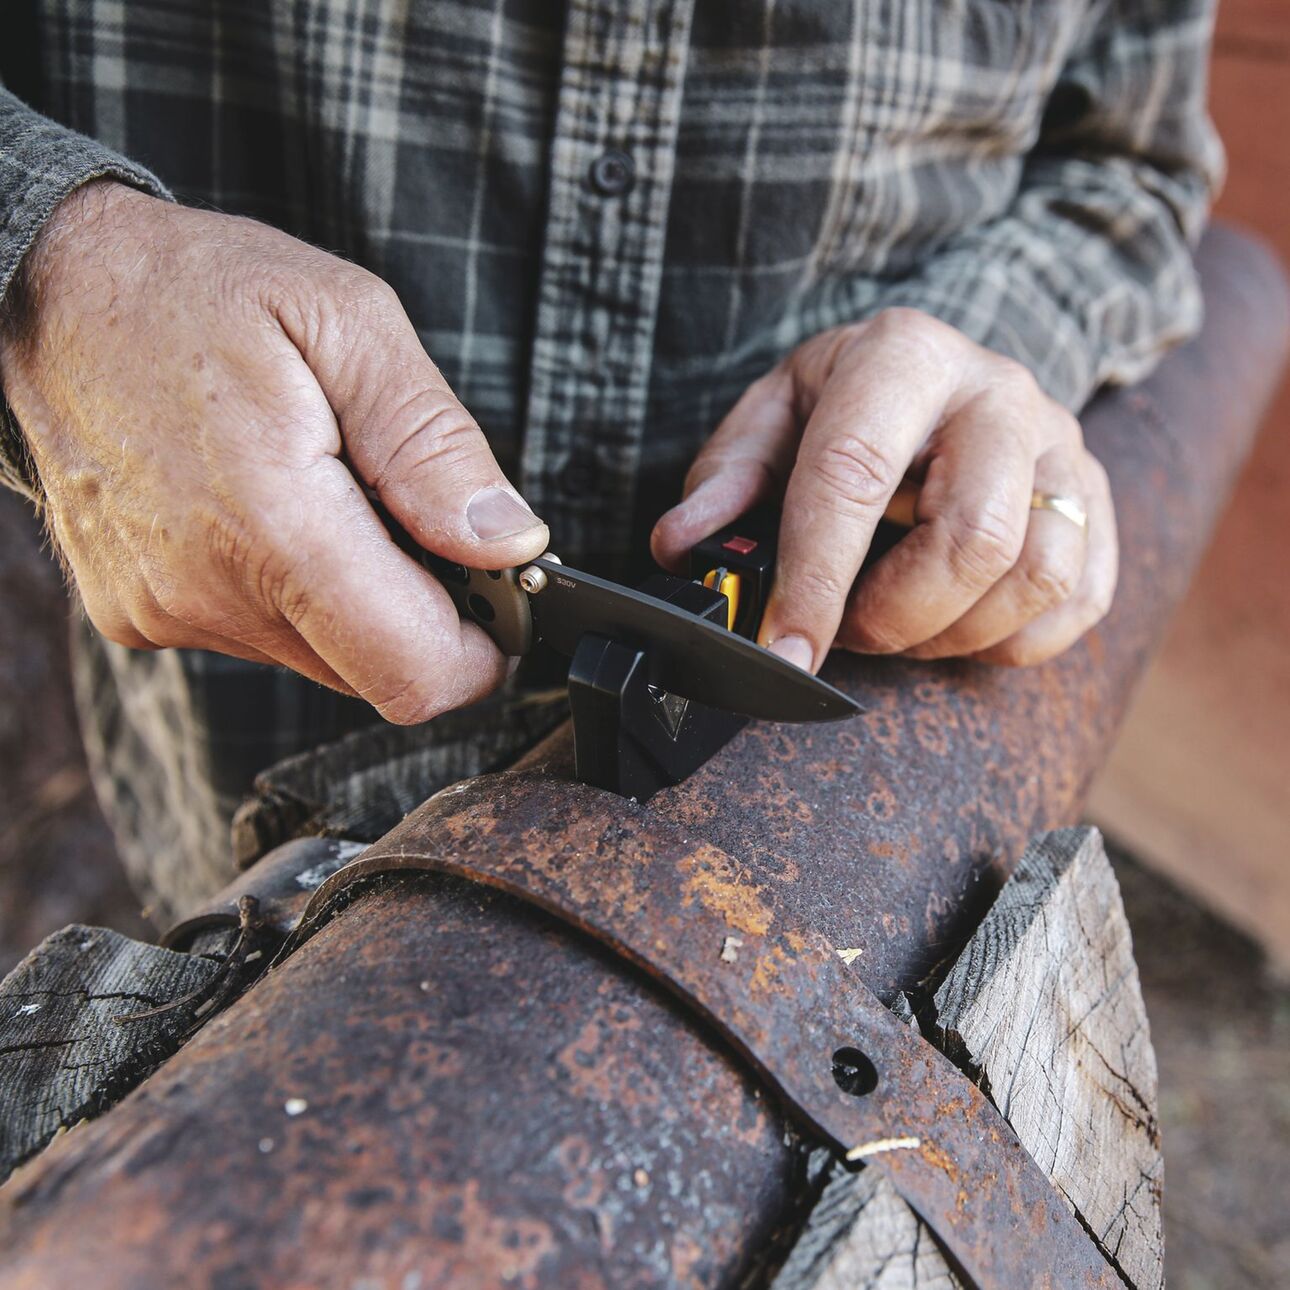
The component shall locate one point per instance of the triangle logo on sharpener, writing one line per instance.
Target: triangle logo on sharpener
(669, 709)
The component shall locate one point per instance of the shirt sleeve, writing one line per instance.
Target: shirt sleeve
(41, 162)
(1088, 277)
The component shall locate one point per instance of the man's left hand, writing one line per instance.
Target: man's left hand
(834, 429)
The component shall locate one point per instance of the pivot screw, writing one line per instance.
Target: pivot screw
(532, 580)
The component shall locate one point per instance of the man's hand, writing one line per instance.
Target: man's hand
(836, 426)
(192, 387)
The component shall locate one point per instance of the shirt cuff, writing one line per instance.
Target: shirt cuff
(41, 162)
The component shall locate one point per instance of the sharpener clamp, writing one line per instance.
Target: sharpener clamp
(631, 736)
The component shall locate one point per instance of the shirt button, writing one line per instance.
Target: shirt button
(580, 473)
(612, 174)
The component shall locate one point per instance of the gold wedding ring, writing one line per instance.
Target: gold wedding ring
(1067, 507)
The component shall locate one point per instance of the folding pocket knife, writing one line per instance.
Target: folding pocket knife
(692, 656)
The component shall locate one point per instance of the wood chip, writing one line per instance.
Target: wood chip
(730, 949)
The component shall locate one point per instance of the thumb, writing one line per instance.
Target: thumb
(413, 442)
(747, 461)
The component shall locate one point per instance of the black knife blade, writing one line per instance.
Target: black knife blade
(690, 656)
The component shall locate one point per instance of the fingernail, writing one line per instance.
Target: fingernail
(495, 513)
(796, 649)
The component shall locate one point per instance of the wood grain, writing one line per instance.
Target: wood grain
(863, 1236)
(1045, 1002)
(82, 1019)
(1044, 1009)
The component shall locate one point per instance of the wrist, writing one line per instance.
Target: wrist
(79, 222)
(56, 250)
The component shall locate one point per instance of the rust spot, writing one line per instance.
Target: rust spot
(886, 729)
(586, 1185)
(686, 1257)
(932, 733)
(935, 1156)
(510, 1249)
(723, 886)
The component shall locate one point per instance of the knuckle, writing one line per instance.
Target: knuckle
(815, 584)
(327, 297)
(1100, 600)
(230, 543)
(854, 469)
(261, 569)
(1050, 578)
(1071, 431)
(163, 599)
(908, 330)
(363, 292)
(872, 636)
(169, 603)
(117, 627)
(152, 620)
(1021, 653)
(266, 567)
(905, 323)
(768, 385)
(442, 436)
(1015, 379)
(278, 584)
(982, 548)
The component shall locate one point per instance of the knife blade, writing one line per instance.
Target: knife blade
(690, 656)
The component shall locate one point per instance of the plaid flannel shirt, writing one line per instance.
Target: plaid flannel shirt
(606, 217)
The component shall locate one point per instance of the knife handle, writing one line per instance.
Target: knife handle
(491, 598)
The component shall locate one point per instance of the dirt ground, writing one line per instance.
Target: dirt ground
(1221, 1024)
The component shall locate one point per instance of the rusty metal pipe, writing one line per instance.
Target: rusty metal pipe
(490, 1098)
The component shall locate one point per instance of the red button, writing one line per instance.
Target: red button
(740, 546)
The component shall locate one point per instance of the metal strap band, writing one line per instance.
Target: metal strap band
(686, 913)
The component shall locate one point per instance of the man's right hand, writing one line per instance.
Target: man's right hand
(192, 387)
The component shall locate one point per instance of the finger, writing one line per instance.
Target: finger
(972, 515)
(110, 621)
(373, 615)
(1058, 629)
(746, 462)
(173, 604)
(410, 438)
(875, 410)
(274, 643)
(1045, 576)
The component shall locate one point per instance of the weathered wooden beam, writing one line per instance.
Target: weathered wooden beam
(1044, 1009)
(1046, 1006)
(863, 1236)
(75, 1023)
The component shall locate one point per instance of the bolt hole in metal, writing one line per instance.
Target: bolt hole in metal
(456, 573)
(481, 608)
(495, 574)
(853, 1072)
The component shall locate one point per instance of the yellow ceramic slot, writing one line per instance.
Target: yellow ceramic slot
(729, 587)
